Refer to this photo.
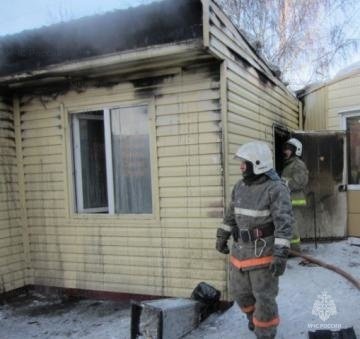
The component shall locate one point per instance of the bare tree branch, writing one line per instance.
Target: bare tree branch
(313, 36)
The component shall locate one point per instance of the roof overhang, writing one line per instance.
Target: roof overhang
(116, 63)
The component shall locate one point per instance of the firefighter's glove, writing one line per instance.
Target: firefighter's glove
(281, 251)
(222, 237)
(278, 264)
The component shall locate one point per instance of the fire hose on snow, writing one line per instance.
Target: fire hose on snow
(336, 269)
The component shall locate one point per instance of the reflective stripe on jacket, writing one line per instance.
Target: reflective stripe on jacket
(246, 263)
(298, 202)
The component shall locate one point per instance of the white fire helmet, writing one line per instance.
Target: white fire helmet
(297, 144)
(258, 153)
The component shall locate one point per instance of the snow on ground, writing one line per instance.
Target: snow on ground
(299, 289)
(52, 317)
(36, 316)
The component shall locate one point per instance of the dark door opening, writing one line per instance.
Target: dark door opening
(281, 135)
(325, 213)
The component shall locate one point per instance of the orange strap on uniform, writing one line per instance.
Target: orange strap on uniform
(264, 324)
(251, 262)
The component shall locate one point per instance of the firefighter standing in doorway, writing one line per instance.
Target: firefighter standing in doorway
(260, 220)
(296, 176)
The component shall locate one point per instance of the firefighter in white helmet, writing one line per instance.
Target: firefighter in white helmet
(296, 176)
(259, 218)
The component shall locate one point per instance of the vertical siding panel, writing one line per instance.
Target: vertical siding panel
(315, 110)
(189, 215)
(12, 260)
(344, 96)
(225, 156)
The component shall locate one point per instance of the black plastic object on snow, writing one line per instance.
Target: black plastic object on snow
(346, 333)
(208, 296)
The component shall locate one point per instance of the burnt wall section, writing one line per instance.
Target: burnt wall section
(253, 98)
(324, 215)
(167, 254)
(12, 265)
(157, 23)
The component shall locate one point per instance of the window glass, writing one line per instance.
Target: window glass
(131, 160)
(112, 161)
(353, 134)
(93, 165)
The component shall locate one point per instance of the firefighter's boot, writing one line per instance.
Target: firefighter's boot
(251, 325)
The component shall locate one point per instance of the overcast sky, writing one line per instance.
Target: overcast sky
(18, 15)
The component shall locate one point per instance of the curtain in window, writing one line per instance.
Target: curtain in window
(131, 160)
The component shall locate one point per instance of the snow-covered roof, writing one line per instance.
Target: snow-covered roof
(353, 68)
(344, 73)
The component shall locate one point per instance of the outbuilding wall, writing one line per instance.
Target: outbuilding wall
(344, 98)
(336, 99)
(316, 101)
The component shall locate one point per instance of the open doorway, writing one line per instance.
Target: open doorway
(281, 135)
(325, 213)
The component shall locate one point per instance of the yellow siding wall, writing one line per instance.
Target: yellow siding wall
(12, 265)
(343, 96)
(339, 95)
(253, 107)
(323, 105)
(354, 213)
(168, 255)
(254, 98)
(316, 109)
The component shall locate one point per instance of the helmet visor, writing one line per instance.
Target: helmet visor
(236, 157)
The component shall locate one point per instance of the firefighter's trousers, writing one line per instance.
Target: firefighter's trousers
(255, 292)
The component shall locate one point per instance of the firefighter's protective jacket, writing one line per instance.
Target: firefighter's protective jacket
(296, 175)
(262, 202)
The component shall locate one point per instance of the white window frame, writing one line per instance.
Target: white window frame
(77, 177)
(109, 162)
(78, 166)
(354, 112)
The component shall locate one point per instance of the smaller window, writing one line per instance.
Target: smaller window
(353, 135)
(90, 165)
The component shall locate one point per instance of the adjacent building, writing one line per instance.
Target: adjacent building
(334, 106)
